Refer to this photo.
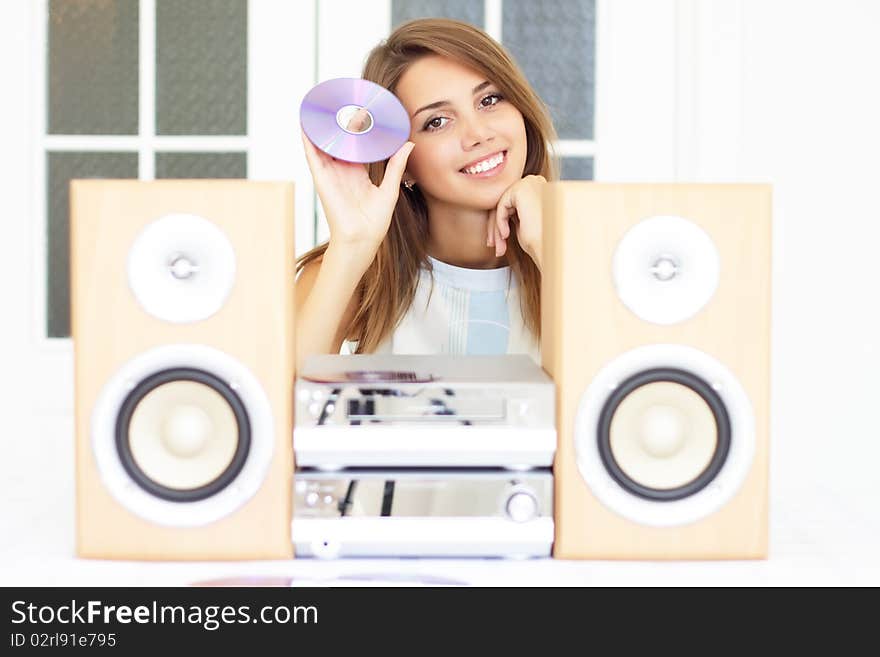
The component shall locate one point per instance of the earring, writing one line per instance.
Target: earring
(409, 184)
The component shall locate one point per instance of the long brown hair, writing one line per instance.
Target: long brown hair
(388, 286)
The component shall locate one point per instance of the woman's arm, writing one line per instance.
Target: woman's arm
(358, 215)
(325, 301)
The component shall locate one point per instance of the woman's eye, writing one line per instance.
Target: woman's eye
(440, 121)
(435, 123)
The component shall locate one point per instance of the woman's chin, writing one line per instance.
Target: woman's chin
(484, 199)
(476, 197)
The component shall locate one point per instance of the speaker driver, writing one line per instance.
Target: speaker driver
(183, 434)
(664, 434)
(181, 268)
(665, 269)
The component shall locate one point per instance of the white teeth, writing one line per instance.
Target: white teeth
(491, 163)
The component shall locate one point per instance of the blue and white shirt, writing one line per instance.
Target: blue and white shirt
(457, 310)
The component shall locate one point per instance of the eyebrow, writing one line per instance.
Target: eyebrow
(441, 103)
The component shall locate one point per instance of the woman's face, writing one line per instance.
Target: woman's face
(470, 141)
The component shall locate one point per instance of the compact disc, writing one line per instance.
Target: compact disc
(354, 120)
(370, 376)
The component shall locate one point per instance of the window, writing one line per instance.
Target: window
(145, 89)
(138, 90)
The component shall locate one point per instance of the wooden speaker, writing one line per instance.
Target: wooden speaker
(656, 330)
(182, 325)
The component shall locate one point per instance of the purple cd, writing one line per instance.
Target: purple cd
(354, 120)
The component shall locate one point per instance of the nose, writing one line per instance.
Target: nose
(476, 130)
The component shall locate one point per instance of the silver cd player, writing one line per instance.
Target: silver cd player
(424, 411)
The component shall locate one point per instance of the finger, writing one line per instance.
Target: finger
(493, 225)
(313, 155)
(502, 219)
(497, 236)
(395, 168)
(502, 212)
(500, 243)
(502, 225)
(490, 229)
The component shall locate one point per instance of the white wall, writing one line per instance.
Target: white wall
(811, 125)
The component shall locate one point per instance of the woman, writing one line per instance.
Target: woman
(437, 250)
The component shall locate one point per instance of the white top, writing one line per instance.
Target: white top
(457, 310)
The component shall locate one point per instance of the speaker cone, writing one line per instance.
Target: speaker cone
(664, 434)
(183, 434)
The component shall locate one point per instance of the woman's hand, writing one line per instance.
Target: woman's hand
(520, 203)
(358, 211)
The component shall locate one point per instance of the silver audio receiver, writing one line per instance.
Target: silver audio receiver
(415, 513)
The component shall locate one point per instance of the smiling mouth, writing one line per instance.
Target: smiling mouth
(487, 167)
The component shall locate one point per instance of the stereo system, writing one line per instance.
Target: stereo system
(644, 436)
(423, 456)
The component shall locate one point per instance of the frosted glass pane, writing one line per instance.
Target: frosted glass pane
(201, 67)
(554, 43)
(577, 168)
(93, 67)
(470, 11)
(201, 165)
(61, 168)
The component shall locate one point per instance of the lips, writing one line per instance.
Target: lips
(486, 167)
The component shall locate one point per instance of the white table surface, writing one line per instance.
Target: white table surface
(824, 531)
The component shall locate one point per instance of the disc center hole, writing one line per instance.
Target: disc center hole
(354, 119)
